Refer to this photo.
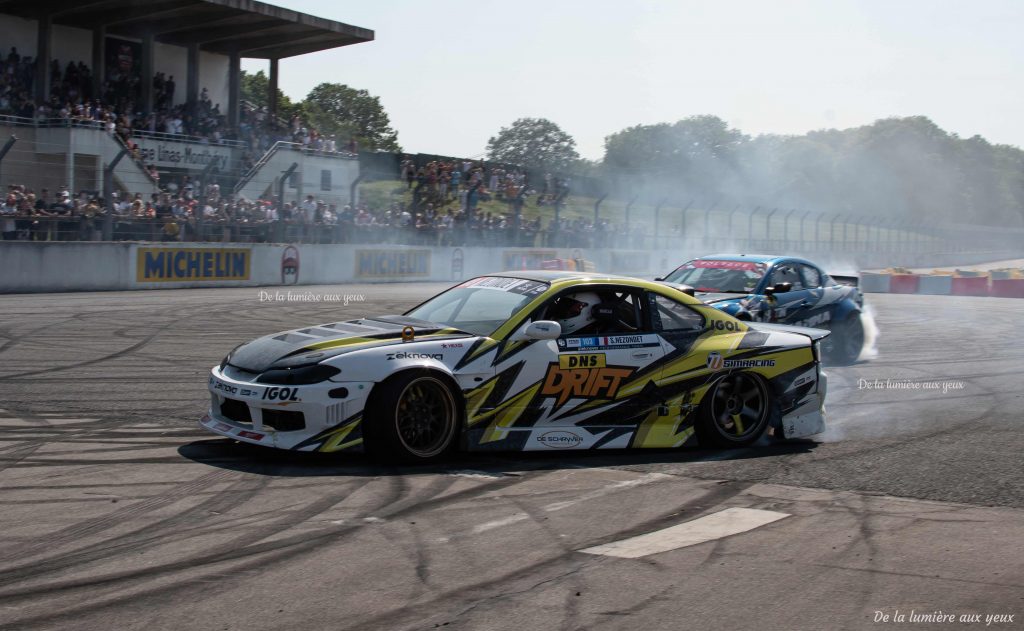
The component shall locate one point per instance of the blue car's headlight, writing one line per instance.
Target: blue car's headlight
(301, 375)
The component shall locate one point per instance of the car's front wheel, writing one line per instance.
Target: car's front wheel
(735, 412)
(412, 417)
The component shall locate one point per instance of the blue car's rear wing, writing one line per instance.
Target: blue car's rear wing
(849, 281)
(814, 334)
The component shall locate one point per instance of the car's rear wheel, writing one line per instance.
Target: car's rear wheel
(412, 417)
(735, 412)
(843, 347)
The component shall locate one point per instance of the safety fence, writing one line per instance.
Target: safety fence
(857, 241)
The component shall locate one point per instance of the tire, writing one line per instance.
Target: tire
(413, 417)
(843, 347)
(735, 412)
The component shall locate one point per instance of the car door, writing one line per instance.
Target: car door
(788, 307)
(575, 392)
(600, 373)
(668, 421)
(820, 300)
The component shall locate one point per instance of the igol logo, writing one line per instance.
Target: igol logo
(715, 361)
(559, 440)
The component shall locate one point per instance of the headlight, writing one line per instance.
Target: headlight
(227, 358)
(301, 375)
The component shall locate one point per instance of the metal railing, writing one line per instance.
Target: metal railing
(292, 146)
(33, 227)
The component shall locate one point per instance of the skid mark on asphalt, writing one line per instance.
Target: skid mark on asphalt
(649, 478)
(253, 551)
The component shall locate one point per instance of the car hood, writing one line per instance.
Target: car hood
(315, 343)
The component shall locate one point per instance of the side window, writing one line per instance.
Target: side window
(812, 278)
(787, 273)
(599, 311)
(669, 316)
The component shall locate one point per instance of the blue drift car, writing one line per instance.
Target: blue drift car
(783, 289)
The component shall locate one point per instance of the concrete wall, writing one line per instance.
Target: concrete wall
(173, 62)
(343, 172)
(19, 33)
(71, 44)
(213, 75)
(50, 267)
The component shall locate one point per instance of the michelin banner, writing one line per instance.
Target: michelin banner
(393, 263)
(177, 265)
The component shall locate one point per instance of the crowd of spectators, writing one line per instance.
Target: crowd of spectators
(118, 107)
(444, 209)
(201, 213)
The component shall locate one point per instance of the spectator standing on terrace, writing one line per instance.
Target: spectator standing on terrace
(308, 210)
(410, 173)
(8, 211)
(164, 209)
(456, 180)
(63, 205)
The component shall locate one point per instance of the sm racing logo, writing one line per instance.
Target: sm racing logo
(584, 376)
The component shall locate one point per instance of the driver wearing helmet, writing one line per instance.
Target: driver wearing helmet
(575, 313)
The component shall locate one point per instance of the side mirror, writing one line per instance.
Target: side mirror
(659, 279)
(540, 330)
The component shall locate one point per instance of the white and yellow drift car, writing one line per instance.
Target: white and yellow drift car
(524, 361)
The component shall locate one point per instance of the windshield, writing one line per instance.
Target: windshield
(719, 276)
(481, 305)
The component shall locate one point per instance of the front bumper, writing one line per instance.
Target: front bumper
(808, 417)
(316, 417)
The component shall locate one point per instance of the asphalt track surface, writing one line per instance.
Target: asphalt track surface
(117, 512)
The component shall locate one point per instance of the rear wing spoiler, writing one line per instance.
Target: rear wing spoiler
(849, 281)
(814, 334)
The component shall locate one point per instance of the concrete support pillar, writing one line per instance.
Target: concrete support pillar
(272, 89)
(192, 74)
(43, 56)
(69, 163)
(234, 89)
(147, 73)
(99, 62)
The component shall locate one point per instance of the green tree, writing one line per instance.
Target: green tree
(334, 108)
(255, 89)
(699, 152)
(536, 144)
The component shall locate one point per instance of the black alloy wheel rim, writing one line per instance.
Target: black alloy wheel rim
(739, 406)
(425, 417)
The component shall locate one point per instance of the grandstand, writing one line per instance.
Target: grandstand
(85, 81)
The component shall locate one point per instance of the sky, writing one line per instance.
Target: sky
(450, 75)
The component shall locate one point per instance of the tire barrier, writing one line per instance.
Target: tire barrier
(903, 284)
(1008, 287)
(970, 285)
(875, 283)
(1004, 283)
(935, 285)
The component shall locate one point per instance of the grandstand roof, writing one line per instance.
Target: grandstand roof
(252, 29)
